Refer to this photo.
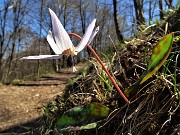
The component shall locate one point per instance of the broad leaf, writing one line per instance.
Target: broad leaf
(159, 55)
(82, 117)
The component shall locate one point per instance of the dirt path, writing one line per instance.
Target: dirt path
(22, 104)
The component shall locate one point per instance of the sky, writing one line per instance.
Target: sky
(122, 11)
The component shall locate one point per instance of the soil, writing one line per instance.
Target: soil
(23, 105)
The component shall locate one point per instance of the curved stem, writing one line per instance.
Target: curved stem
(105, 69)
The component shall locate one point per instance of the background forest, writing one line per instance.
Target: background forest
(24, 25)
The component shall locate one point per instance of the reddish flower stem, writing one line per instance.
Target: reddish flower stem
(105, 69)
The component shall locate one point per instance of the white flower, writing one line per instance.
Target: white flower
(62, 45)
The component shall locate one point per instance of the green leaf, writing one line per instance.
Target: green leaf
(82, 117)
(159, 55)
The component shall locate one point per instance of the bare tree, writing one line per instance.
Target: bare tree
(161, 12)
(138, 5)
(118, 32)
(82, 15)
(150, 10)
(10, 36)
(3, 45)
(169, 3)
(40, 34)
(16, 30)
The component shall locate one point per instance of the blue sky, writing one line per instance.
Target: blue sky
(123, 10)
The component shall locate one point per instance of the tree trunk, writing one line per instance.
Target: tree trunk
(83, 16)
(3, 45)
(169, 3)
(138, 5)
(150, 10)
(40, 33)
(161, 9)
(118, 32)
(16, 21)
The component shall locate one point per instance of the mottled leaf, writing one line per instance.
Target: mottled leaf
(159, 55)
(82, 117)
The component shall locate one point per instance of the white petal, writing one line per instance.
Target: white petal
(61, 36)
(93, 35)
(53, 45)
(85, 38)
(42, 57)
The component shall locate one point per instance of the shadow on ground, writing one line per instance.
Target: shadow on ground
(49, 80)
(28, 128)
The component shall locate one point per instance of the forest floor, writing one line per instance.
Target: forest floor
(21, 105)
